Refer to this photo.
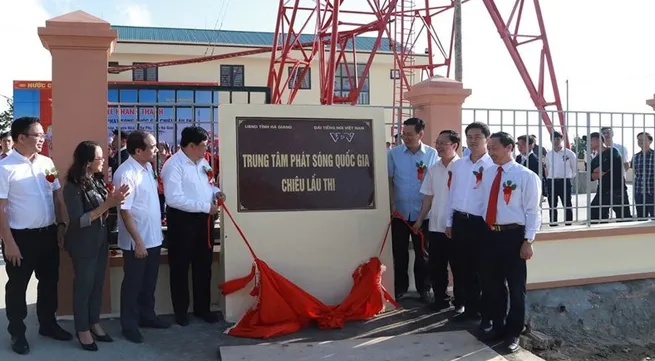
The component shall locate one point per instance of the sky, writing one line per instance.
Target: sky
(603, 50)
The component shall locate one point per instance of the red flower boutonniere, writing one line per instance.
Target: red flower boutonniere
(508, 188)
(450, 178)
(478, 176)
(210, 174)
(110, 188)
(420, 170)
(51, 175)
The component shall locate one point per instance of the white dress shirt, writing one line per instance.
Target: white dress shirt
(29, 195)
(142, 203)
(562, 164)
(524, 202)
(465, 192)
(435, 184)
(186, 186)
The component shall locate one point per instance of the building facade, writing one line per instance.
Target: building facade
(151, 45)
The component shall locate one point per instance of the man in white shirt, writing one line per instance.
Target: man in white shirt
(513, 214)
(465, 225)
(436, 189)
(561, 167)
(191, 208)
(33, 221)
(7, 145)
(139, 236)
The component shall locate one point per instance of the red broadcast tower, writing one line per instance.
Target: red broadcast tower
(335, 26)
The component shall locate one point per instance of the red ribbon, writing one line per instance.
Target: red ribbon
(399, 216)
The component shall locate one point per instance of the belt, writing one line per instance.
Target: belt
(36, 230)
(506, 227)
(465, 215)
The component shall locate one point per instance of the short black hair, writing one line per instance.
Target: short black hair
(597, 135)
(453, 136)
(22, 125)
(418, 123)
(529, 138)
(4, 135)
(478, 125)
(504, 138)
(193, 135)
(650, 137)
(123, 134)
(136, 140)
(557, 134)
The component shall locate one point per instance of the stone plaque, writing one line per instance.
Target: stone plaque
(297, 164)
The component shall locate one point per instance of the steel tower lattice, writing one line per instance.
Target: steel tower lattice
(335, 26)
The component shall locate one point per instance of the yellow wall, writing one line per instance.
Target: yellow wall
(256, 68)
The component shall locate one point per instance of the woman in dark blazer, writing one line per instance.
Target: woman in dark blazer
(87, 199)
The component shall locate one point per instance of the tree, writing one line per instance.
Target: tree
(7, 116)
(579, 146)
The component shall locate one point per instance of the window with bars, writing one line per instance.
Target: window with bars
(145, 74)
(232, 75)
(342, 84)
(294, 74)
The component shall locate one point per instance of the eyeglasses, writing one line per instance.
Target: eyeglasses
(37, 136)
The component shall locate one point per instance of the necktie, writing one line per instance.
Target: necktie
(492, 208)
(450, 178)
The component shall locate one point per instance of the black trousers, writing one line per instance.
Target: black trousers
(645, 204)
(468, 232)
(560, 189)
(89, 271)
(400, 235)
(502, 263)
(190, 243)
(442, 253)
(617, 201)
(138, 288)
(40, 256)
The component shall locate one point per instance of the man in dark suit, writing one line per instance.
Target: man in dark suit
(531, 161)
(118, 143)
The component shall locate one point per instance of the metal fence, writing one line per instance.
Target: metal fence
(611, 197)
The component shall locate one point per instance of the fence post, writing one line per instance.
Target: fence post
(438, 101)
(80, 45)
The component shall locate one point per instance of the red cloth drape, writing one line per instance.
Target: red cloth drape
(283, 308)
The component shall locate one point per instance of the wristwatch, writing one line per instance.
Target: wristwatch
(529, 241)
(62, 224)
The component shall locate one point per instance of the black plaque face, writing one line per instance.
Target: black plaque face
(300, 164)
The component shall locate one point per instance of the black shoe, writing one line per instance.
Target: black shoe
(485, 326)
(182, 320)
(512, 344)
(208, 317)
(459, 309)
(19, 345)
(491, 336)
(400, 295)
(425, 297)
(87, 346)
(440, 305)
(133, 335)
(466, 317)
(157, 323)
(55, 332)
(102, 338)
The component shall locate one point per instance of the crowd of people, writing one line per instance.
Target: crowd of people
(480, 214)
(39, 216)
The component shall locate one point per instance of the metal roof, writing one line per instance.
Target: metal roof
(222, 37)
